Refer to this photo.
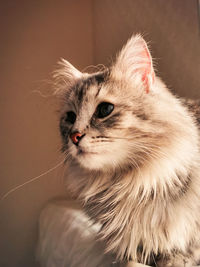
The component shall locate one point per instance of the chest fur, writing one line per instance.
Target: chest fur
(156, 224)
(135, 215)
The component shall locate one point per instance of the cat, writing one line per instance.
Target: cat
(132, 158)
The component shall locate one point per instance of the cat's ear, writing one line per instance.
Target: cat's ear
(135, 62)
(65, 76)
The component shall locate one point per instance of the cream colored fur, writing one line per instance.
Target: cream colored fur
(144, 186)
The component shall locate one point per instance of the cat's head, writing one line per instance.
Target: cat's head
(119, 117)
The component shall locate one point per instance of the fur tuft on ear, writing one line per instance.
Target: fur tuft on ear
(135, 62)
(65, 76)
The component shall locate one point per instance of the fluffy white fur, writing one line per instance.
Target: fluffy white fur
(139, 177)
(67, 238)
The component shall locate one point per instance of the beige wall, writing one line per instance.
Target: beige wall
(34, 35)
(170, 26)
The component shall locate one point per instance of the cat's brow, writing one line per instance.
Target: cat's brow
(98, 91)
(82, 87)
(100, 78)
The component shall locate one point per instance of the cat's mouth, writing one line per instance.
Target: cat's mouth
(83, 152)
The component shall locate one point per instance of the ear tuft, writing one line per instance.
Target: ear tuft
(65, 76)
(135, 62)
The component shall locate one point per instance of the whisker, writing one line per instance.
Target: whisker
(41, 94)
(93, 68)
(125, 138)
(31, 180)
(101, 141)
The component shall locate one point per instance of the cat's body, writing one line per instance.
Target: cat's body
(133, 152)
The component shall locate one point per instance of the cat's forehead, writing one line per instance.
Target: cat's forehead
(93, 87)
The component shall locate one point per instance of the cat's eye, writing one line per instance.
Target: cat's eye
(104, 109)
(70, 117)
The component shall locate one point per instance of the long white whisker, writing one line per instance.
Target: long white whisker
(31, 180)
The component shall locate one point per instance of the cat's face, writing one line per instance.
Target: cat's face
(109, 119)
(97, 110)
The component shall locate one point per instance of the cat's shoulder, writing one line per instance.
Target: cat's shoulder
(193, 106)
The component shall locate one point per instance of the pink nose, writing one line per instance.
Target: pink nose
(76, 137)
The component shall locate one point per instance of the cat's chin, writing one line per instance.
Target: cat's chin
(93, 161)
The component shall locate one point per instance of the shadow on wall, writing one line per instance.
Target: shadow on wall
(172, 29)
(34, 35)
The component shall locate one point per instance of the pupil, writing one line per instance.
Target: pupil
(71, 117)
(105, 110)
